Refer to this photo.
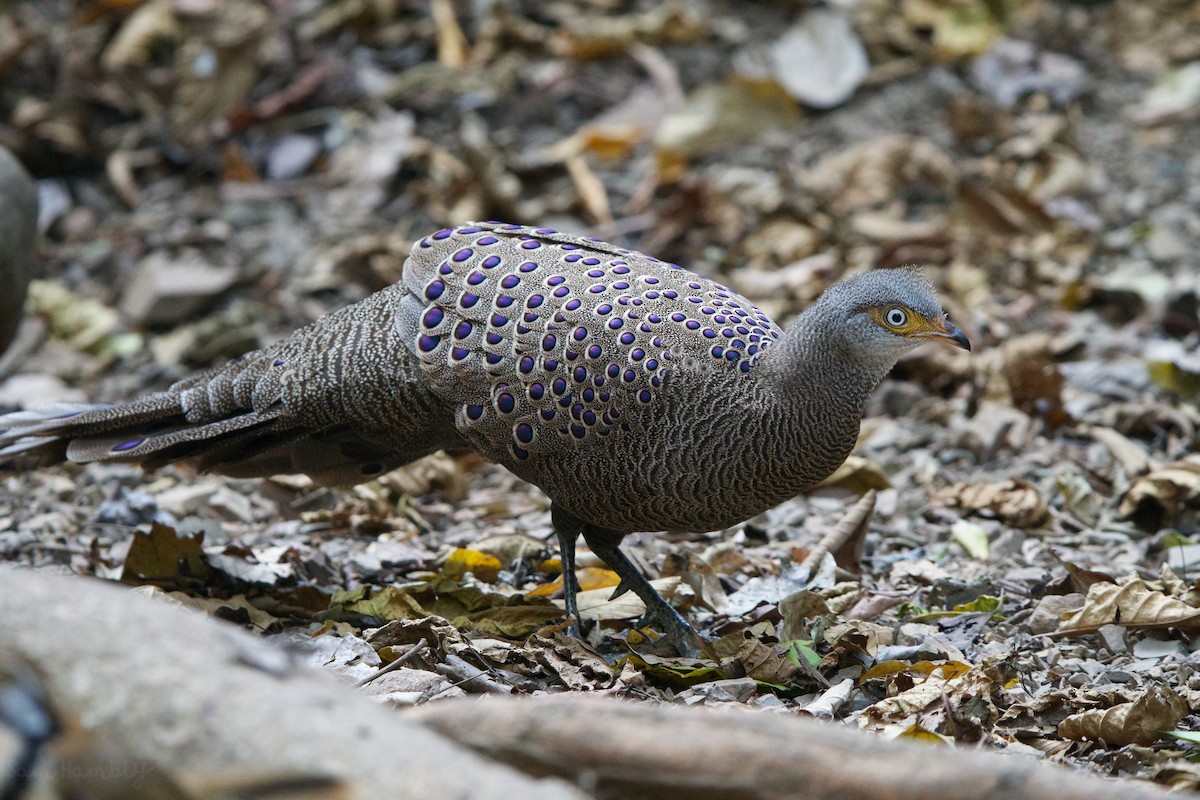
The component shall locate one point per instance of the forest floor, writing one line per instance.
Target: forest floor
(216, 173)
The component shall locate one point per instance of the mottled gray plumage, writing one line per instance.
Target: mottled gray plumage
(18, 232)
(637, 395)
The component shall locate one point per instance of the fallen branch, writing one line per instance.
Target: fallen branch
(646, 750)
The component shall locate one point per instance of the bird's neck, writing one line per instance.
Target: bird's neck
(813, 362)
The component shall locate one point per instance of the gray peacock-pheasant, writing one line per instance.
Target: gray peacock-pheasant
(638, 395)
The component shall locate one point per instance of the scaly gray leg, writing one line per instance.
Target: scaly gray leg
(567, 528)
(605, 544)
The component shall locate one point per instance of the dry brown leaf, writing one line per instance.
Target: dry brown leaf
(1167, 489)
(1014, 502)
(1133, 605)
(1140, 722)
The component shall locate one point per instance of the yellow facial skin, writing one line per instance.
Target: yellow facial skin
(903, 321)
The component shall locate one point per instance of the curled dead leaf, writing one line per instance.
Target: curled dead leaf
(1132, 605)
(1160, 494)
(1141, 722)
(1014, 502)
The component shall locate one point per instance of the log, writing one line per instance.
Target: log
(163, 691)
(639, 750)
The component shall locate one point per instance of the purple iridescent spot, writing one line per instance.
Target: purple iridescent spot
(652, 295)
(752, 349)
(528, 266)
(428, 343)
(595, 273)
(278, 362)
(548, 342)
(604, 308)
(561, 291)
(627, 338)
(121, 448)
(678, 317)
(657, 341)
(550, 364)
(644, 396)
(558, 317)
(589, 417)
(613, 370)
(577, 411)
(719, 319)
(474, 412)
(444, 233)
(655, 318)
(459, 353)
(565, 401)
(536, 391)
(743, 330)
(638, 354)
(494, 358)
(499, 321)
(476, 278)
(580, 374)
(578, 431)
(732, 355)
(426, 243)
(569, 246)
(709, 333)
(692, 325)
(548, 414)
(694, 285)
(645, 327)
(509, 281)
(744, 366)
(572, 305)
(531, 245)
(468, 300)
(629, 376)
(490, 261)
(494, 338)
(621, 285)
(526, 365)
(615, 323)
(535, 300)
(468, 230)
(580, 334)
(559, 386)
(707, 310)
(652, 364)
(462, 330)
(727, 333)
(738, 343)
(487, 240)
(445, 269)
(649, 279)
(524, 432)
(520, 452)
(611, 411)
(591, 261)
(623, 301)
(463, 255)
(620, 268)
(670, 293)
(572, 258)
(694, 300)
(595, 351)
(717, 351)
(589, 394)
(505, 403)
(656, 381)
(503, 301)
(530, 316)
(434, 290)
(596, 288)
(598, 380)
(545, 231)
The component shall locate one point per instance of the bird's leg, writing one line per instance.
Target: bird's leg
(679, 633)
(567, 528)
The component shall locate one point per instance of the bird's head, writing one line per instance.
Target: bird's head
(884, 313)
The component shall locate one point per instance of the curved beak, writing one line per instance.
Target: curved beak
(951, 335)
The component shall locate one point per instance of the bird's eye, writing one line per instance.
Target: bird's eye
(896, 317)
